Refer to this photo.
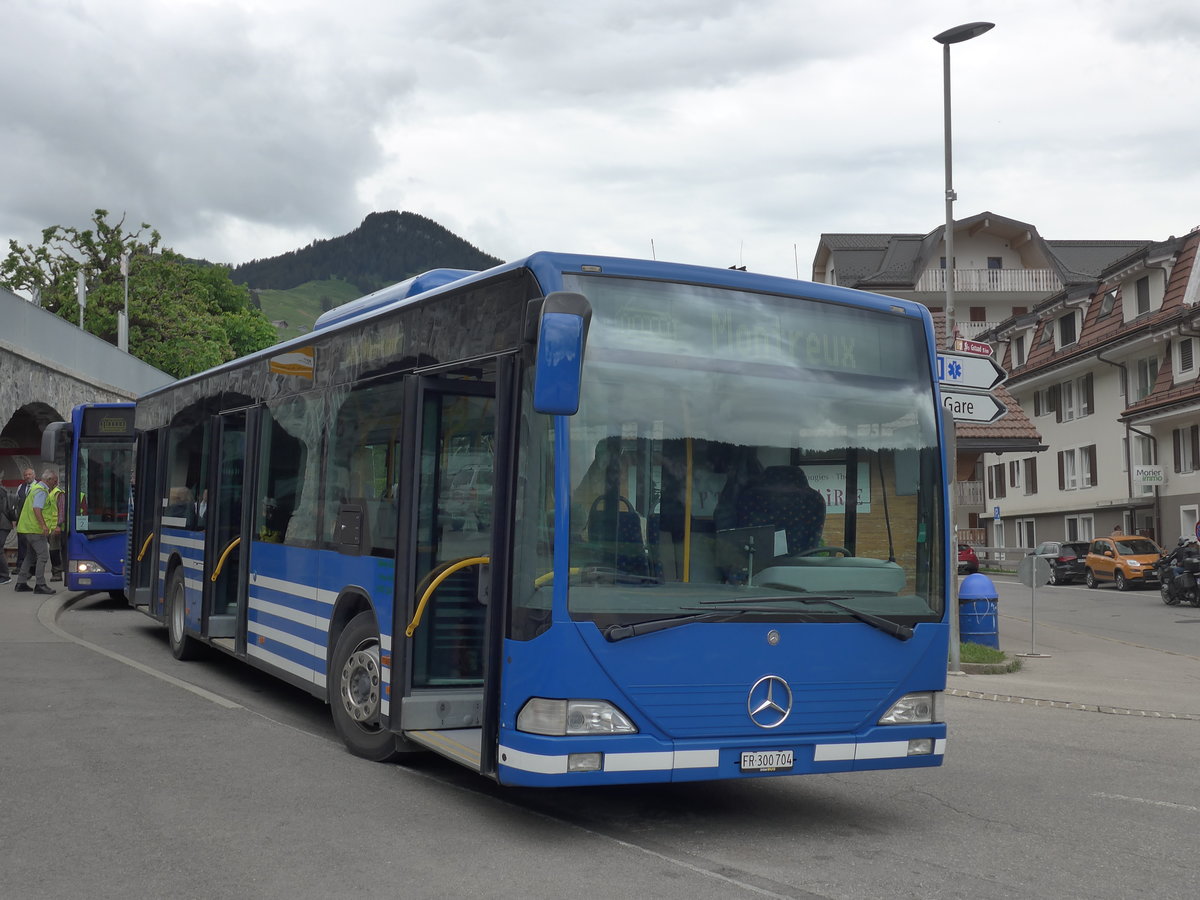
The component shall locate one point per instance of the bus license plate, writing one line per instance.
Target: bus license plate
(766, 760)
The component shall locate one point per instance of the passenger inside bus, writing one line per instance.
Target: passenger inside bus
(180, 506)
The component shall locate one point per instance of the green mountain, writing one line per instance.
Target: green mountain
(387, 247)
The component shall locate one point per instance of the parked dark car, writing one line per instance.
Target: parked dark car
(968, 562)
(1066, 559)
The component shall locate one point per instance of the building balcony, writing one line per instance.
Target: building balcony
(970, 493)
(1043, 281)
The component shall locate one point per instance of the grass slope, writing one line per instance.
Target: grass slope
(301, 305)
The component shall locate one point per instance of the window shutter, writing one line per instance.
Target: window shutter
(1062, 472)
(1089, 398)
(1055, 397)
(1093, 474)
(1195, 447)
(1185, 355)
(992, 482)
(1000, 488)
(1177, 442)
(1037, 403)
(1031, 475)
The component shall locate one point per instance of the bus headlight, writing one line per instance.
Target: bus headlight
(572, 717)
(86, 567)
(920, 708)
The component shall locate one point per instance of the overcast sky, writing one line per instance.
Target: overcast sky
(713, 131)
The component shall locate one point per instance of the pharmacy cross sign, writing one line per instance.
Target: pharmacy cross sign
(965, 371)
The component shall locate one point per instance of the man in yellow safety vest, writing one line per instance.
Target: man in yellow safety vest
(37, 521)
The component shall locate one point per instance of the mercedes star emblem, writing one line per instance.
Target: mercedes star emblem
(769, 701)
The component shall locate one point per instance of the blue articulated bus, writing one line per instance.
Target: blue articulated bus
(573, 520)
(94, 455)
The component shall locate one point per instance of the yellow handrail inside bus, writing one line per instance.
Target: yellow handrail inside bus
(145, 546)
(224, 556)
(446, 573)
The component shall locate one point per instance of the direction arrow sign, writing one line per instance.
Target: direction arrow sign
(962, 370)
(979, 348)
(977, 408)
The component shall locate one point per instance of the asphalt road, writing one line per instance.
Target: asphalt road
(128, 774)
(1134, 615)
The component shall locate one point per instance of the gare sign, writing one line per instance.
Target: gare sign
(977, 408)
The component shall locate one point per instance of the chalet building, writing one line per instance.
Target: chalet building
(1003, 271)
(1109, 374)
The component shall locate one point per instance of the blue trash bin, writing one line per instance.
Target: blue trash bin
(977, 618)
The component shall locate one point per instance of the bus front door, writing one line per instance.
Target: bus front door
(227, 544)
(457, 427)
(142, 552)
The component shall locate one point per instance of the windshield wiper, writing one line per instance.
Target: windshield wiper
(895, 629)
(621, 632)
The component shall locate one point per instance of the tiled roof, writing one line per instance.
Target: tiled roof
(878, 261)
(1100, 328)
(1085, 260)
(1167, 392)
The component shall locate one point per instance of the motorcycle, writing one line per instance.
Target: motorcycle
(1179, 587)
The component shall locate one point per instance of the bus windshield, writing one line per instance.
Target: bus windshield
(734, 449)
(102, 502)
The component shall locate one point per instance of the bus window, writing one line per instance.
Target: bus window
(360, 503)
(289, 466)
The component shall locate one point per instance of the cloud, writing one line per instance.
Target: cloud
(721, 131)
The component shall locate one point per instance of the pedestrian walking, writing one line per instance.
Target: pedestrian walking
(37, 521)
(22, 495)
(8, 521)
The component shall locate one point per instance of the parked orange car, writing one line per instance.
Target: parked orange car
(1125, 561)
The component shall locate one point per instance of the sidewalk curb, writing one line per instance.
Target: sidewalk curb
(1010, 664)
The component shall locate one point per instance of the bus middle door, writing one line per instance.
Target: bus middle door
(227, 541)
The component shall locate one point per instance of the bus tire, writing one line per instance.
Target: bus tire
(183, 646)
(355, 689)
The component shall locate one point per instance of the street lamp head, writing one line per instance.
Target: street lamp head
(961, 33)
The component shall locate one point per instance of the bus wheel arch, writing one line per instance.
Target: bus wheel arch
(183, 645)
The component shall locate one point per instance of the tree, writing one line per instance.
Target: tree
(184, 317)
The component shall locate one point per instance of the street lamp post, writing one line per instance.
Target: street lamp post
(123, 324)
(954, 35)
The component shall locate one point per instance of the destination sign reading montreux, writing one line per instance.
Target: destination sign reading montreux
(691, 320)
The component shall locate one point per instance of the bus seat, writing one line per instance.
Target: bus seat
(782, 498)
(618, 534)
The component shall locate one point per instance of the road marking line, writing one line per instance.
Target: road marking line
(1079, 707)
(1163, 803)
(48, 614)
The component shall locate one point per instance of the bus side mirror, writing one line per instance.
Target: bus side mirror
(56, 444)
(561, 339)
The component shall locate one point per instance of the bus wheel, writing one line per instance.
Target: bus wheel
(355, 686)
(182, 645)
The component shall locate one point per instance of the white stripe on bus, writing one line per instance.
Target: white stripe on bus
(316, 651)
(292, 615)
(287, 665)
